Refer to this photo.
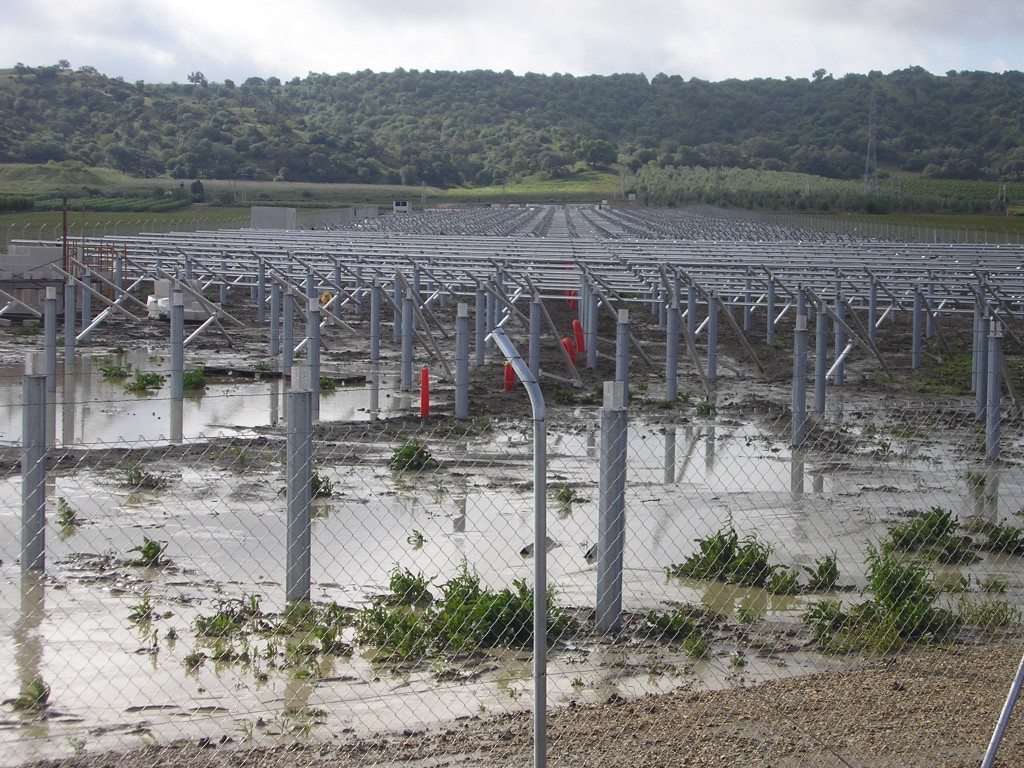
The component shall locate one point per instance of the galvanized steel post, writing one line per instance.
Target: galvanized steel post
(299, 496)
(611, 524)
(462, 361)
(33, 473)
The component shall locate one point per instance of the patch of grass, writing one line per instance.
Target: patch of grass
(115, 372)
(465, 619)
(823, 575)
(566, 494)
(706, 409)
(412, 456)
(151, 553)
(32, 329)
(987, 612)
(328, 386)
(143, 611)
(67, 516)
(783, 581)
(408, 588)
(231, 617)
(998, 537)
(321, 486)
(901, 608)
(933, 533)
(681, 624)
(193, 380)
(145, 381)
(34, 697)
(563, 396)
(134, 475)
(723, 556)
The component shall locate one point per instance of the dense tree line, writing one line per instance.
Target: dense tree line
(482, 127)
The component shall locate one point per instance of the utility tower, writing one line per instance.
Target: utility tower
(871, 162)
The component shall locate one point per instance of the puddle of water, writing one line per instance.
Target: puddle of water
(91, 409)
(225, 537)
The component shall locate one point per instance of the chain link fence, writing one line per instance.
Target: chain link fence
(832, 605)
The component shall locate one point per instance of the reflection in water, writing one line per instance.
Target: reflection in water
(275, 402)
(796, 482)
(67, 414)
(374, 391)
(28, 642)
(709, 448)
(986, 497)
(459, 519)
(670, 456)
(176, 421)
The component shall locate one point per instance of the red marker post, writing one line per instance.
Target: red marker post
(510, 377)
(569, 348)
(424, 392)
(577, 331)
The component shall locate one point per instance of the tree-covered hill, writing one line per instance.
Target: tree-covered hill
(481, 127)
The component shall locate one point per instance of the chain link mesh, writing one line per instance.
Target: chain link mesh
(856, 601)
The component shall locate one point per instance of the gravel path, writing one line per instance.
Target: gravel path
(934, 707)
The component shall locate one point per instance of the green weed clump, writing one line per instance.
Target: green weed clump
(683, 625)
(935, 535)
(998, 537)
(723, 556)
(296, 638)
(465, 619)
(34, 697)
(67, 516)
(136, 476)
(412, 456)
(193, 380)
(901, 608)
(151, 553)
(145, 381)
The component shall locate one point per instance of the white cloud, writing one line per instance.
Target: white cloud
(164, 40)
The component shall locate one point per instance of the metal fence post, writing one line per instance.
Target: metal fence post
(993, 421)
(712, 336)
(481, 325)
(462, 362)
(69, 324)
(299, 495)
(820, 358)
(407, 328)
(375, 298)
(982, 372)
(533, 350)
(177, 345)
(672, 353)
(540, 535)
(261, 292)
(916, 325)
(622, 349)
(611, 526)
(33, 473)
(800, 339)
(288, 328)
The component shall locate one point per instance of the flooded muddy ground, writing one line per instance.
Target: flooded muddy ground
(879, 455)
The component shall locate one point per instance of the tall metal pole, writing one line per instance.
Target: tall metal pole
(611, 526)
(33, 473)
(299, 496)
(540, 554)
(800, 340)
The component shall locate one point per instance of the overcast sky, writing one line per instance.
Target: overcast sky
(164, 40)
